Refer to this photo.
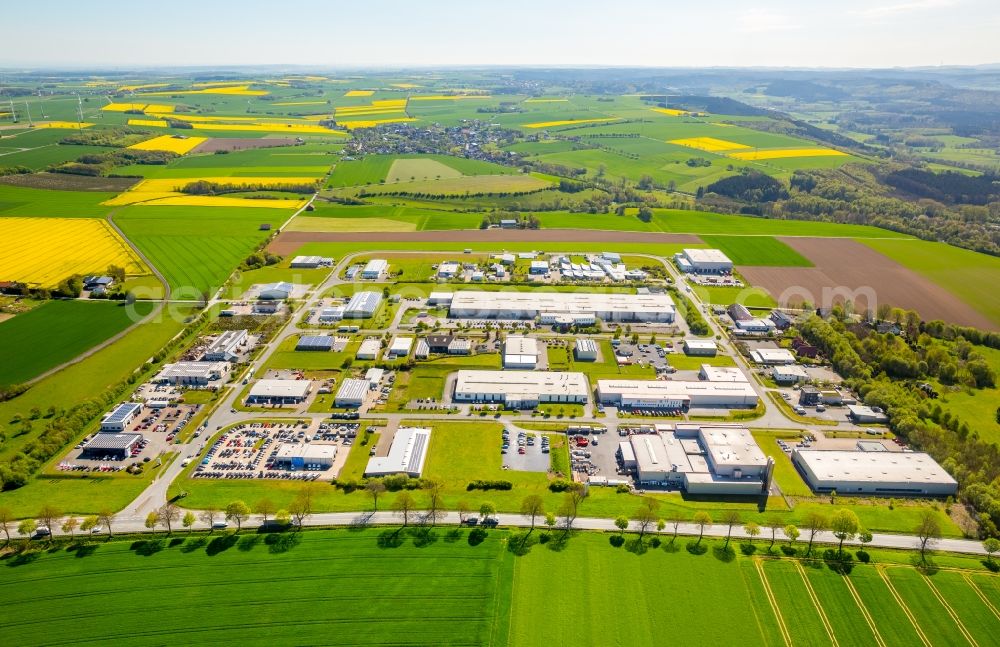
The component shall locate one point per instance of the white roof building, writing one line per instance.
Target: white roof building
(362, 304)
(711, 261)
(705, 347)
(375, 268)
(529, 305)
(191, 373)
(279, 391)
(369, 349)
(675, 394)
(721, 373)
(310, 262)
(585, 349)
(772, 356)
(400, 347)
(521, 389)
(520, 352)
(880, 473)
(407, 454)
(352, 393)
(226, 347)
(789, 373)
(440, 298)
(309, 455)
(447, 270)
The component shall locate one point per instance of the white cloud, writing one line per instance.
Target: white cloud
(756, 21)
(904, 7)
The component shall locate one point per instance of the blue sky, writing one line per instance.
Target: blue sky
(375, 33)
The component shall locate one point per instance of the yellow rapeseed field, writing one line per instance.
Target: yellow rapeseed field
(405, 86)
(710, 144)
(44, 251)
(752, 156)
(568, 122)
(297, 129)
(148, 123)
(63, 124)
(239, 90)
(371, 123)
(671, 112)
(158, 108)
(144, 86)
(122, 107)
(166, 192)
(359, 93)
(170, 143)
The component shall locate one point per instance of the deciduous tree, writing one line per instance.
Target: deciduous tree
(239, 512)
(703, 520)
(845, 525)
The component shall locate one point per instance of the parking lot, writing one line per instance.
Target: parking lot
(158, 428)
(525, 451)
(248, 451)
(654, 355)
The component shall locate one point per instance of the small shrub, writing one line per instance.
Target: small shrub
(616, 540)
(489, 485)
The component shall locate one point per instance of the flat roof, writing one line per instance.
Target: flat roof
(653, 389)
(191, 369)
(407, 453)
(401, 345)
(767, 355)
(315, 341)
(790, 369)
(365, 301)
(376, 265)
(280, 388)
(112, 441)
(586, 345)
(307, 452)
(700, 343)
(520, 345)
(872, 467)
(707, 256)
(353, 389)
(722, 373)
(226, 342)
(122, 412)
(732, 447)
(560, 302)
(370, 345)
(522, 382)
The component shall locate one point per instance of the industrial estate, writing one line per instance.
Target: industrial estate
(531, 343)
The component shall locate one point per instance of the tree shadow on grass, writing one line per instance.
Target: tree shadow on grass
(616, 540)
(247, 543)
(282, 542)
(671, 546)
(453, 535)
(423, 536)
(220, 544)
(520, 543)
(559, 541)
(193, 544)
(748, 549)
(477, 536)
(636, 546)
(175, 541)
(724, 553)
(81, 549)
(925, 564)
(696, 548)
(390, 538)
(147, 547)
(22, 558)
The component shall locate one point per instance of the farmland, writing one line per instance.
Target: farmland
(440, 593)
(44, 251)
(757, 250)
(58, 331)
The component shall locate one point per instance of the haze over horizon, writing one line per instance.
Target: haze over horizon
(388, 33)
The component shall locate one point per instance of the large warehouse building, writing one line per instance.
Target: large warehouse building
(885, 473)
(520, 352)
(226, 347)
(407, 454)
(675, 395)
(352, 393)
(362, 305)
(191, 373)
(279, 392)
(468, 304)
(717, 459)
(703, 261)
(521, 389)
(305, 457)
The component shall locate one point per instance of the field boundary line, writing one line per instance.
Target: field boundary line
(819, 607)
(902, 605)
(982, 596)
(951, 611)
(759, 564)
(864, 611)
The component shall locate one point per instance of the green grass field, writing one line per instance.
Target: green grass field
(57, 331)
(39, 203)
(334, 588)
(757, 250)
(969, 275)
(196, 248)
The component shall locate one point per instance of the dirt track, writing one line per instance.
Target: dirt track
(846, 268)
(289, 241)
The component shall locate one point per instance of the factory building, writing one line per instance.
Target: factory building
(279, 392)
(275, 291)
(330, 315)
(520, 352)
(191, 373)
(789, 374)
(866, 415)
(407, 454)
(310, 262)
(369, 349)
(530, 305)
(352, 393)
(675, 395)
(399, 348)
(721, 374)
(885, 473)
(585, 350)
(362, 305)
(772, 356)
(448, 270)
(756, 326)
(538, 267)
(703, 261)
(305, 457)
(121, 416)
(521, 389)
(315, 343)
(375, 269)
(227, 346)
(111, 446)
(700, 347)
(714, 460)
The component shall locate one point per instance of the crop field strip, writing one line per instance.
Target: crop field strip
(44, 251)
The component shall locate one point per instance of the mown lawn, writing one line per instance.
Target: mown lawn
(757, 250)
